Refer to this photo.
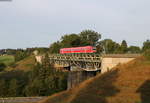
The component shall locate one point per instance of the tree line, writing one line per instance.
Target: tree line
(20, 54)
(92, 38)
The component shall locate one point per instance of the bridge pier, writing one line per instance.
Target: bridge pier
(76, 77)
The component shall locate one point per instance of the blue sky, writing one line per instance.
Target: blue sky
(38, 23)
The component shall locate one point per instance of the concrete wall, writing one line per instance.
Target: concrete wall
(109, 62)
(38, 59)
(76, 77)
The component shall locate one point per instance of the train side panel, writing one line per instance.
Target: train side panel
(86, 49)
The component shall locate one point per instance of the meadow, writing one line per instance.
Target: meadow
(7, 59)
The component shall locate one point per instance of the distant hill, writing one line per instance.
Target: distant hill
(127, 83)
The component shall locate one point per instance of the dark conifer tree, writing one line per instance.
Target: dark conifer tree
(124, 47)
(3, 90)
(13, 88)
(146, 45)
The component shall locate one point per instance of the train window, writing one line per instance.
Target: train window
(87, 48)
(77, 49)
(66, 50)
(94, 48)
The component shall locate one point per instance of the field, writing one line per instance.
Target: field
(8, 59)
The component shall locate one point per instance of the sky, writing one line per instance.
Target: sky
(38, 23)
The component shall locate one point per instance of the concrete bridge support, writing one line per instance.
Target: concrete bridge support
(109, 61)
(76, 77)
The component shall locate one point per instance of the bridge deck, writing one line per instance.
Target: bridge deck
(76, 57)
(89, 62)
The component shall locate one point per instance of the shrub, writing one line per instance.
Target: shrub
(147, 54)
(2, 66)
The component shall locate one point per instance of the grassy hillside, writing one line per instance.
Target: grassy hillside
(8, 59)
(25, 64)
(128, 83)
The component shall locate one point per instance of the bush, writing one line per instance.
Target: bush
(2, 66)
(147, 54)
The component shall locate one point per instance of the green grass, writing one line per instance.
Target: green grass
(8, 59)
(26, 64)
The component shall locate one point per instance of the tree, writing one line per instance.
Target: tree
(2, 66)
(71, 40)
(45, 80)
(41, 50)
(20, 54)
(50, 85)
(3, 90)
(46, 68)
(34, 88)
(13, 88)
(55, 47)
(123, 48)
(85, 38)
(44, 72)
(147, 54)
(134, 49)
(146, 45)
(89, 37)
(108, 46)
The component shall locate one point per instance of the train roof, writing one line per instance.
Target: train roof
(77, 47)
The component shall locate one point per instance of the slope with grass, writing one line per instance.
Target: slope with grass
(7, 59)
(127, 83)
(25, 64)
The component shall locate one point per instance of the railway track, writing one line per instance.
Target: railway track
(21, 99)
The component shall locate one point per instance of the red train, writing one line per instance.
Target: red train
(85, 49)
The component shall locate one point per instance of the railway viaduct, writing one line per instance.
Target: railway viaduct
(83, 66)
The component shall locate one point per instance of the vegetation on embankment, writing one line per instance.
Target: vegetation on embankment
(14, 77)
(28, 78)
(25, 64)
(6, 60)
(25, 77)
(127, 83)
